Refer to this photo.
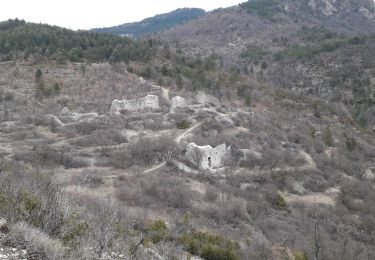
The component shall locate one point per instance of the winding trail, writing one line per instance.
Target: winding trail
(184, 134)
(178, 141)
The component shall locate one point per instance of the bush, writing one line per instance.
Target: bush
(211, 194)
(299, 255)
(279, 202)
(157, 230)
(254, 53)
(328, 137)
(88, 178)
(184, 124)
(351, 144)
(157, 191)
(209, 246)
(264, 8)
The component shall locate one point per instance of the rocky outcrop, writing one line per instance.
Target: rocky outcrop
(332, 7)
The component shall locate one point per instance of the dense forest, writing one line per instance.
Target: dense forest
(155, 24)
(20, 38)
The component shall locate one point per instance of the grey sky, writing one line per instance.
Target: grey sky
(86, 14)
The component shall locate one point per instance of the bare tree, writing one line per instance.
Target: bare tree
(197, 156)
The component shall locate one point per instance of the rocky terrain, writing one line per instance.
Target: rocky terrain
(236, 145)
(321, 40)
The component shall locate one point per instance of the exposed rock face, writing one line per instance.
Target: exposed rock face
(206, 99)
(207, 157)
(367, 13)
(326, 7)
(149, 101)
(332, 7)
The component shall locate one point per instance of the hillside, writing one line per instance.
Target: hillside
(155, 24)
(97, 159)
(308, 46)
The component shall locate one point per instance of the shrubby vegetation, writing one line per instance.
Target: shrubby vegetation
(263, 8)
(308, 51)
(155, 24)
(254, 53)
(316, 34)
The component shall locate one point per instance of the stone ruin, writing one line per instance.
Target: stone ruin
(149, 101)
(152, 102)
(179, 102)
(207, 157)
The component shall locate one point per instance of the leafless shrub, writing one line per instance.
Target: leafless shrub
(151, 150)
(145, 191)
(229, 211)
(87, 127)
(71, 161)
(39, 240)
(89, 178)
(211, 194)
(121, 159)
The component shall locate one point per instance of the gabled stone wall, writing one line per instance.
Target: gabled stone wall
(207, 157)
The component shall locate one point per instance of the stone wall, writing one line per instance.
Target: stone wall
(179, 102)
(149, 101)
(207, 157)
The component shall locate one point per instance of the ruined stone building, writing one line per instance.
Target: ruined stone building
(179, 102)
(149, 101)
(207, 157)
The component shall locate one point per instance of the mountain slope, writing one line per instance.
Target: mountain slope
(300, 45)
(155, 24)
(20, 38)
(299, 180)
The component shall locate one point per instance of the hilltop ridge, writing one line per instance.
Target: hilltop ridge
(154, 24)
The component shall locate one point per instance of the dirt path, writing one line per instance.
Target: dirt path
(178, 141)
(184, 134)
(155, 167)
